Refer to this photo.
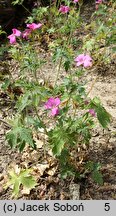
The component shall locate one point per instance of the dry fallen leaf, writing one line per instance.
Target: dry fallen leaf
(25, 191)
(52, 171)
(1, 189)
(50, 153)
(39, 143)
(41, 168)
(17, 169)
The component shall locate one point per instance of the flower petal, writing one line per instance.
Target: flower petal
(57, 102)
(92, 112)
(34, 26)
(50, 103)
(12, 38)
(16, 32)
(55, 111)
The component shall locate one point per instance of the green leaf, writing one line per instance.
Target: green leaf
(26, 179)
(23, 102)
(28, 182)
(38, 124)
(22, 146)
(92, 166)
(89, 45)
(35, 122)
(35, 100)
(66, 172)
(16, 188)
(57, 149)
(97, 177)
(22, 178)
(12, 138)
(25, 172)
(26, 136)
(102, 115)
(20, 136)
(13, 181)
(57, 138)
(58, 53)
(6, 84)
(51, 30)
(67, 65)
(19, 2)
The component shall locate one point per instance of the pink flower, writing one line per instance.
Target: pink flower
(75, 1)
(26, 33)
(55, 111)
(64, 9)
(86, 102)
(16, 32)
(97, 3)
(12, 37)
(92, 112)
(34, 26)
(84, 60)
(53, 104)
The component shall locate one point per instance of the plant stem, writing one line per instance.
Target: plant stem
(92, 86)
(58, 72)
(35, 76)
(44, 133)
(26, 9)
(58, 4)
(36, 111)
(50, 3)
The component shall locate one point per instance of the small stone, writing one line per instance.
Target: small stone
(1, 177)
(74, 191)
(1, 169)
(1, 189)
(112, 140)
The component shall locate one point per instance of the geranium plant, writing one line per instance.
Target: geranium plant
(65, 103)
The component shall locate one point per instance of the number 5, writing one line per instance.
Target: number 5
(107, 207)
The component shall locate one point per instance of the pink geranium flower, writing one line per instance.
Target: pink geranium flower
(53, 104)
(16, 32)
(84, 60)
(34, 26)
(97, 3)
(64, 9)
(12, 37)
(75, 1)
(92, 112)
(26, 33)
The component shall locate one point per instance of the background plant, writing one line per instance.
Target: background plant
(101, 41)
